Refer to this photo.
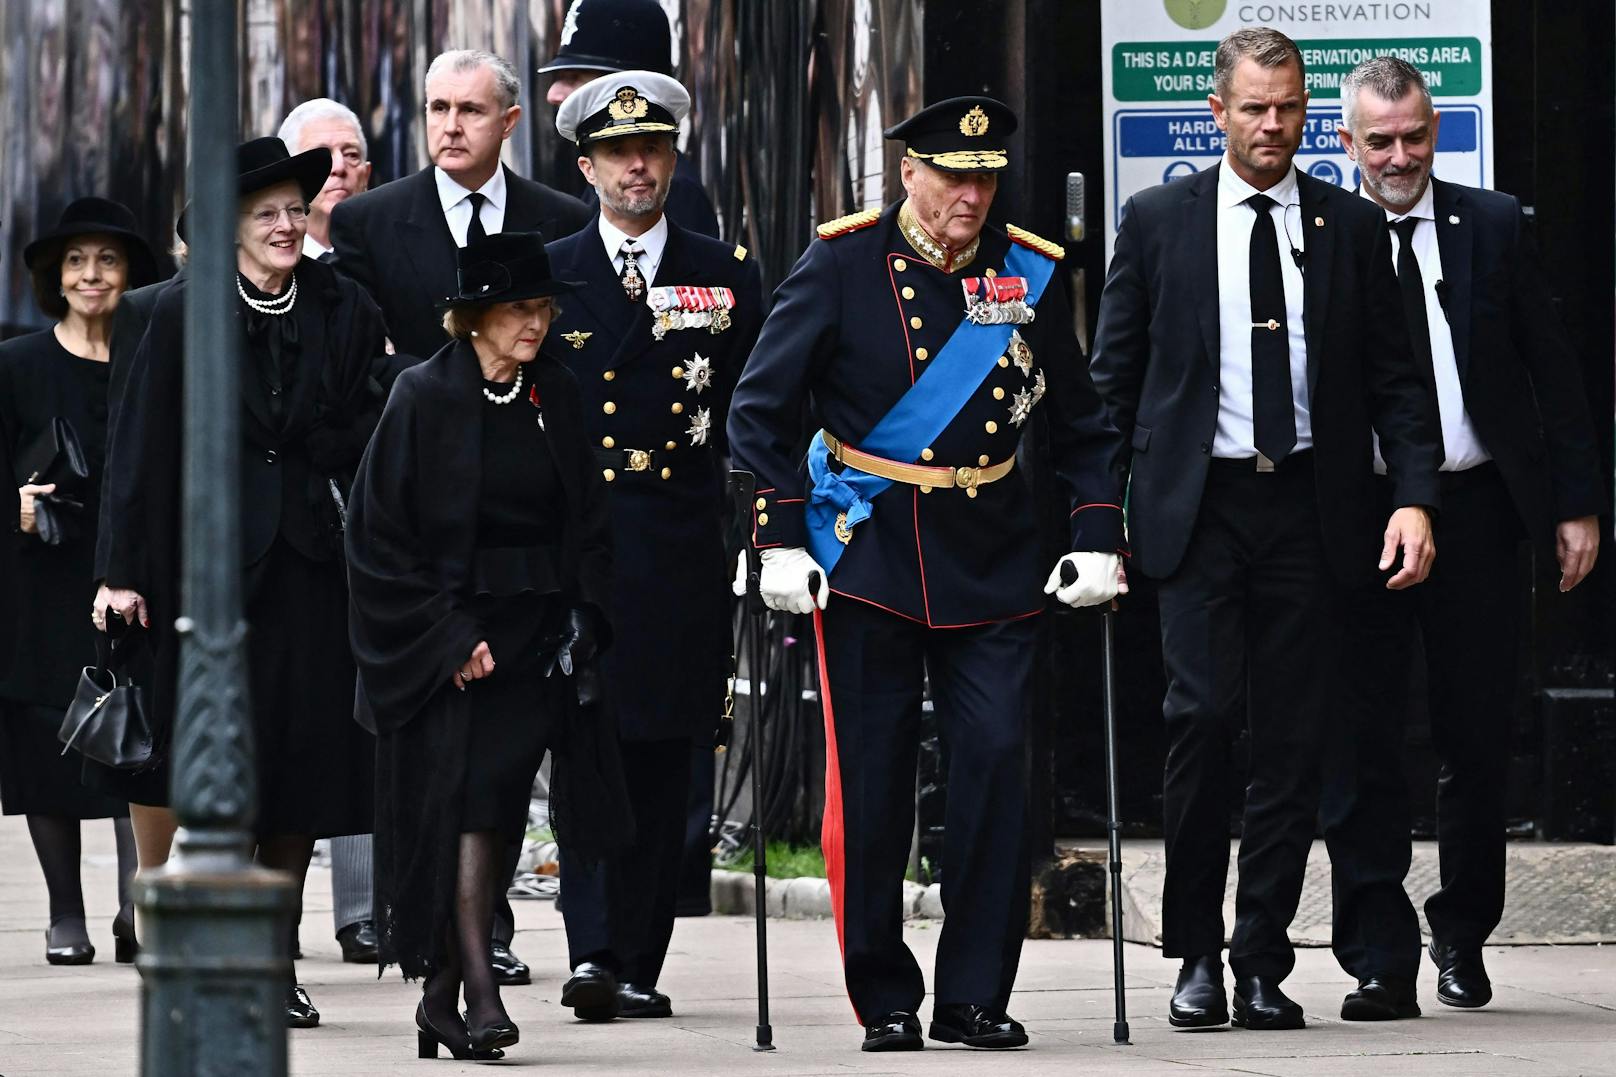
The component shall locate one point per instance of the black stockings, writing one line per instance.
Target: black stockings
(289, 853)
(476, 882)
(59, 848)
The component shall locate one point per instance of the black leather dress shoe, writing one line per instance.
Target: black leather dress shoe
(636, 1001)
(358, 942)
(1381, 998)
(300, 1012)
(975, 1026)
(1199, 1000)
(591, 991)
(1461, 978)
(896, 1031)
(1261, 1006)
(509, 970)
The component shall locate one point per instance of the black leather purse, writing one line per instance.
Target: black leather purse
(55, 456)
(106, 722)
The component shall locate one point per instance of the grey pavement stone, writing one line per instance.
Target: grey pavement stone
(1555, 1015)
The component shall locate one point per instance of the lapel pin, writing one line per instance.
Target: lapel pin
(576, 338)
(1318, 222)
(1453, 218)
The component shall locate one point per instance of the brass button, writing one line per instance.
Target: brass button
(678, 408)
(609, 474)
(1004, 360)
(998, 392)
(899, 264)
(908, 292)
(608, 442)
(925, 454)
(982, 461)
(609, 408)
(678, 371)
(922, 354)
(670, 446)
(991, 272)
(991, 427)
(762, 502)
(667, 473)
(608, 375)
(915, 322)
(763, 519)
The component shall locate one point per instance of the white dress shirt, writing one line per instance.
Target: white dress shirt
(653, 242)
(456, 203)
(313, 248)
(1236, 437)
(1461, 445)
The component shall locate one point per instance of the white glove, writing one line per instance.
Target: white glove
(1096, 579)
(737, 586)
(784, 581)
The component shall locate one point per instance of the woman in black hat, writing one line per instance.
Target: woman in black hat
(58, 376)
(478, 555)
(309, 403)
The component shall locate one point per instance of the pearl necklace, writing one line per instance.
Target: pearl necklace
(516, 387)
(279, 305)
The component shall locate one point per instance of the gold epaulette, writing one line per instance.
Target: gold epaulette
(1035, 242)
(850, 223)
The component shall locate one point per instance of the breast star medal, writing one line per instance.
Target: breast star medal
(699, 374)
(1020, 353)
(576, 338)
(1020, 407)
(700, 425)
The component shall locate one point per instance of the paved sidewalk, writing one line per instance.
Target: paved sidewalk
(1555, 1011)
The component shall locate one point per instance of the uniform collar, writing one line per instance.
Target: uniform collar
(928, 248)
(652, 241)
(451, 193)
(1232, 190)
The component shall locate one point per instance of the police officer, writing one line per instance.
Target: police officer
(657, 339)
(921, 339)
(599, 37)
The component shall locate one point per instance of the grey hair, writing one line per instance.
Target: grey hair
(1389, 77)
(1267, 46)
(507, 87)
(320, 108)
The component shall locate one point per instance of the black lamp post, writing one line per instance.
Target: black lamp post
(214, 961)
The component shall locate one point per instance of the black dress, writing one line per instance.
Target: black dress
(47, 589)
(308, 406)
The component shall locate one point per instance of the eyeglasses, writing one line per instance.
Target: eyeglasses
(266, 218)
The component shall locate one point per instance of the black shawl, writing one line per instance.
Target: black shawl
(410, 540)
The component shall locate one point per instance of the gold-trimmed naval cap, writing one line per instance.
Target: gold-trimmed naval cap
(961, 134)
(623, 103)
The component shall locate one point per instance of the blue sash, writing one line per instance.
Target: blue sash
(915, 420)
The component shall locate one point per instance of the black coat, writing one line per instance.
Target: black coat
(1156, 362)
(394, 241)
(843, 340)
(411, 537)
(670, 600)
(48, 637)
(1522, 383)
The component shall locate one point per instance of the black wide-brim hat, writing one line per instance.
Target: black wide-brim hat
(264, 162)
(961, 134)
(614, 35)
(503, 268)
(93, 217)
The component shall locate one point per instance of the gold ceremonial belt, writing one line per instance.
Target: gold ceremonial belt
(966, 478)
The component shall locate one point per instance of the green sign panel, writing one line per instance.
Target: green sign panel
(1182, 70)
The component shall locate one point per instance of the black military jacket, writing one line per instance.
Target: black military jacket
(655, 412)
(852, 328)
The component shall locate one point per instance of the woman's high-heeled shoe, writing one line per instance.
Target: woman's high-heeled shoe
(491, 1037)
(428, 1038)
(124, 946)
(77, 953)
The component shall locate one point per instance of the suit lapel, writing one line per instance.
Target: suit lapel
(1319, 245)
(1454, 241)
(1201, 225)
(424, 232)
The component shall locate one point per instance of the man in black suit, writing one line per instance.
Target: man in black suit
(1250, 343)
(1520, 461)
(657, 337)
(399, 239)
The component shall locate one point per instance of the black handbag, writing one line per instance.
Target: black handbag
(106, 722)
(55, 456)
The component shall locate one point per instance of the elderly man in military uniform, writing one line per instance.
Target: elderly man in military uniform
(657, 337)
(921, 340)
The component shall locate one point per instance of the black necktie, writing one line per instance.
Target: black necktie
(1273, 412)
(474, 228)
(1412, 286)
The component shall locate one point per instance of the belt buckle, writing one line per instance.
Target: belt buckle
(967, 478)
(1264, 465)
(639, 460)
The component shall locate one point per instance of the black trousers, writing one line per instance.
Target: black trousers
(620, 913)
(1246, 640)
(872, 671)
(1467, 616)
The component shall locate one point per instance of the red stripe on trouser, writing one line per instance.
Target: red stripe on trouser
(831, 827)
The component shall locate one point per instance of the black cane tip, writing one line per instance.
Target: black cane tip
(1119, 1033)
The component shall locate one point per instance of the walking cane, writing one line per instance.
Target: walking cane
(1113, 824)
(742, 485)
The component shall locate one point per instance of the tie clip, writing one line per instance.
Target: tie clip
(1270, 324)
